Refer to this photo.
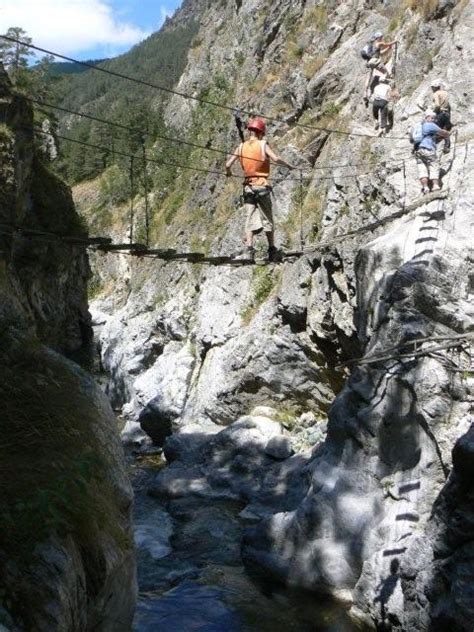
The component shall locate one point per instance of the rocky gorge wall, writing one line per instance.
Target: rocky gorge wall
(66, 555)
(376, 515)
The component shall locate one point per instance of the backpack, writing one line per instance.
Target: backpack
(367, 52)
(416, 135)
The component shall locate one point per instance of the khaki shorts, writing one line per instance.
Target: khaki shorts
(428, 164)
(259, 215)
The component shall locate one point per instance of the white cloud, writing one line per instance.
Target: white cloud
(70, 26)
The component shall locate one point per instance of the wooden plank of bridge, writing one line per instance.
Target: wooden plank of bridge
(119, 247)
(288, 254)
(160, 252)
(87, 241)
(218, 260)
(187, 256)
(425, 199)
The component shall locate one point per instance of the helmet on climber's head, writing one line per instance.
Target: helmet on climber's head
(376, 36)
(430, 114)
(436, 83)
(257, 124)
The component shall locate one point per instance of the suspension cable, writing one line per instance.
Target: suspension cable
(159, 161)
(180, 141)
(185, 95)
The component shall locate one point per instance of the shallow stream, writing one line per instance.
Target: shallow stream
(191, 576)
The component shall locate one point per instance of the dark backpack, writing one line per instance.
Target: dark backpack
(367, 52)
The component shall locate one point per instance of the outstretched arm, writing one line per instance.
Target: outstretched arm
(230, 162)
(276, 158)
(437, 131)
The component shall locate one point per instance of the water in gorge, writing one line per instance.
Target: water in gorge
(191, 577)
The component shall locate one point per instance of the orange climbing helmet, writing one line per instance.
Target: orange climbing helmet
(257, 124)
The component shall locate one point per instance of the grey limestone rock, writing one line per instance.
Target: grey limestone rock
(58, 426)
(361, 514)
(279, 448)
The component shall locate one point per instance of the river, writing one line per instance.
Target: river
(191, 577)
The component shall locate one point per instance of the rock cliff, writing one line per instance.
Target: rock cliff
(376, 515)
(66, 556)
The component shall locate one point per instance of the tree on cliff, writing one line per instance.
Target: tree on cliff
(16, 56)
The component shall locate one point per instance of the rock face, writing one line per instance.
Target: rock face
(374, 515)
(47, 279)
(363, 525)
(66, 552)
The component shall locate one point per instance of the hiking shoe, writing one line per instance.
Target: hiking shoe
(274, 255)
(425, 191)
(246, 254)
(376, 126)
(446, 150)
(436, 188)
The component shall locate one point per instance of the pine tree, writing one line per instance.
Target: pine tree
(14, 55)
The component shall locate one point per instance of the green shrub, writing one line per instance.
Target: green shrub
(426, 8)
(264, 281)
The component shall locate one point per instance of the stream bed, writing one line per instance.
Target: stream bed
(191, 576)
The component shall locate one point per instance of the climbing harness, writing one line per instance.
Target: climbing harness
(255, 194)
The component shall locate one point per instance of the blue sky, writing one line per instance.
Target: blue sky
(86, 29)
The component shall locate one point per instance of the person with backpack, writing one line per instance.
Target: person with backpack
(254, 156)
(383, 96)
(378, 55)
(377, 51)
(371, 83)
(382, 51)
(424, 137)
(442, 107)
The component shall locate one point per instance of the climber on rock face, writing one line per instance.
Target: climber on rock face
(255, 155)
(382, 51)
(425, 152)
(442, 107)
(380, 62)
(371, 83)
(383, 96)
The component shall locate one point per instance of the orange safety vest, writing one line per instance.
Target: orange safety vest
(254, 161)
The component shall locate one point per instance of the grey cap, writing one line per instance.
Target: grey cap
(376, 35)
(430, 113)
